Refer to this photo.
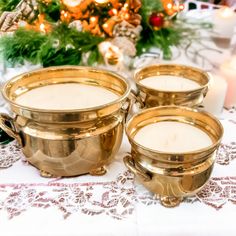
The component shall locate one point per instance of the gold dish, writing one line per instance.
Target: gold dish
(67, 142)
(152, 97)
(173, 176)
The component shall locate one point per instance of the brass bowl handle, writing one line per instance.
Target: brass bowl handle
(133, 99)
(137, 99)
(130, 164)
(10, 130)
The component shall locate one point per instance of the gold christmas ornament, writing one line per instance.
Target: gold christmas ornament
(71, 3)
(102, 2)
(109, 25)
(134, 5)
(65, 16)
(78, 7)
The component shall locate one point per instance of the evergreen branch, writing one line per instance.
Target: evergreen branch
(63, 46)
(51, 9)
(23, 45)
(8, 5)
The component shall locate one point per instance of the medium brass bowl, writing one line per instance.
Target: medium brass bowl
(173, 176)
(67, 142)
(151, 97)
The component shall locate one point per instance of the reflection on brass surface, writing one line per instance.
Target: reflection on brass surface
(152, 97)
(68, 143)
(173, 176)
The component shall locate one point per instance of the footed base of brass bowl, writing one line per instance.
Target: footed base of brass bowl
(45, 174)
(99, 171)
(96, 172)
(169, 201)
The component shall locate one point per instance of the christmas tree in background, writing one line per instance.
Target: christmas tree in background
(75, 32)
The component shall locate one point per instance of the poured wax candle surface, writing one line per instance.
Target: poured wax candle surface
(170, 83)
(66, 96)
(172, 137)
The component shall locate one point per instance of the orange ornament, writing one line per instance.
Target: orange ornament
(169, 7)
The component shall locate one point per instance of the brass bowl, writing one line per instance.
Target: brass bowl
(173, 176)
(152, 97)
(67, 142)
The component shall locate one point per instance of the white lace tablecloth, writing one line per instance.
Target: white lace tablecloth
(115, 204)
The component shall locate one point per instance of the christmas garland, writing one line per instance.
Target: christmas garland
(75, 32)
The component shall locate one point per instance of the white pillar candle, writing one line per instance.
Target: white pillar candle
(170, 83)
(224, 20)
(66, 97)
(215, 98)
(228, 70)
(172, 137)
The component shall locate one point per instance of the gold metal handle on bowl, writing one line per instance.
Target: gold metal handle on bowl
(137, 98)
(10, 130)
(130, 164)
(133, 99)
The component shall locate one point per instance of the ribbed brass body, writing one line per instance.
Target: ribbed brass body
(67, 142)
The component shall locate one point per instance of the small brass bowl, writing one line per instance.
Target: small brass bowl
(152, 97)
(67, 142)
(173, 176)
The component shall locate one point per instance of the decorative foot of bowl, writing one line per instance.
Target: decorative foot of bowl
(173, 175)
(45, 174)
(169, 201)
(99, 171)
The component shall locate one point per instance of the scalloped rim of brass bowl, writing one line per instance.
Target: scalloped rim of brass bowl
(203, 78)
(157, 114)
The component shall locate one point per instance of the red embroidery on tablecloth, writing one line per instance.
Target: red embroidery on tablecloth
(111, 198)
(232, 110)
(233, 121)
(226, 153)
(218, 192)
(9, 154)
(116, 199)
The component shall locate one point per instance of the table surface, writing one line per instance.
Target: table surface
(115, 204)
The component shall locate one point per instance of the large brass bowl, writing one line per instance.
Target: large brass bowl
(152, 97)
(67, 142)
(173, 176)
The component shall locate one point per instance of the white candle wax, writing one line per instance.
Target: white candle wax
(170, 83)
(215, 98)
(224, 21)
(172, 137)
(66, 97)
(228, 70)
